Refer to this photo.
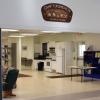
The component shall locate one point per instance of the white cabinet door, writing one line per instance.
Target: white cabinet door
(59, 68)
(68, 57)
(53, 65)
(47, 66)
(35, 64)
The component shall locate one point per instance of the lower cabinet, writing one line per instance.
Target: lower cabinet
(53, 66)
(48, 65)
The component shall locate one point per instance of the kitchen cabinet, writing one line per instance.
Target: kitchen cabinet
(48, 65)
(53, 65)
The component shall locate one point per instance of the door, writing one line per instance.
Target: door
(14, 55)
(44, 49)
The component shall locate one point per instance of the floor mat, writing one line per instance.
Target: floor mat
(64, 76)
(24, 75)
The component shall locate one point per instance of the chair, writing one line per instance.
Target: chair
(23, 61)
(10, 81)
(29, 62)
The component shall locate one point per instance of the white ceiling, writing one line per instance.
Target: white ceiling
(26, 14)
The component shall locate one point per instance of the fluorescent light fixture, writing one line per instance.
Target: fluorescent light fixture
(51, 31)
(15, 36)
(8, 30)
(29, 34)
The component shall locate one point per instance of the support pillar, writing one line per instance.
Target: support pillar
(0, 67)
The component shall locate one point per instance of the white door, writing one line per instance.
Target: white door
(59, 65)
(61, 62)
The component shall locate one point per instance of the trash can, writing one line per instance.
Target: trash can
(40, 66)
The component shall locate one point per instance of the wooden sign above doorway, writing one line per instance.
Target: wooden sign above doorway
(56, 12)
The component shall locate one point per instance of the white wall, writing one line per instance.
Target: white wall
(37, 45)
(29, 52)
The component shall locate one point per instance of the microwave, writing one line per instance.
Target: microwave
(52, 49)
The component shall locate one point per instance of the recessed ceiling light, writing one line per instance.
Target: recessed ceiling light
(29, 34)
(51, 31)
(8, 30)
(15, 36)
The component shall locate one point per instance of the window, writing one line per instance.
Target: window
(81, 49)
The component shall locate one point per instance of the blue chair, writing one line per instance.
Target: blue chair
(10, 82)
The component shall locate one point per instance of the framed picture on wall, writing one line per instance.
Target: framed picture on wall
(24, 47)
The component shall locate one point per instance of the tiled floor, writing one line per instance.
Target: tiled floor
(39, 87)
